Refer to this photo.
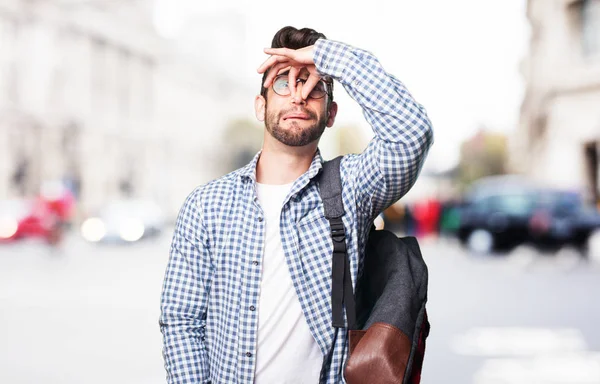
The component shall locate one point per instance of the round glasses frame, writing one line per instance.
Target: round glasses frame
(284, 90)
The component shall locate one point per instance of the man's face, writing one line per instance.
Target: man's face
(293, 121)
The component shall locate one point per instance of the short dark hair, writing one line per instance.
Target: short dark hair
(293, 38)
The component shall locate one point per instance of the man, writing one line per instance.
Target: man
(246, 297)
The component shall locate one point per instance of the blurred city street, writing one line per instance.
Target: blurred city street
(89, 314)
(112, 112)
(86, 314)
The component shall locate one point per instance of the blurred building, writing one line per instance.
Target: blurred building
(90, 94)
(483, 154)
(559, 137)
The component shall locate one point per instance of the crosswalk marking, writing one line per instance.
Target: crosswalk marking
(580, 368)
(520, 355)
(518, 341)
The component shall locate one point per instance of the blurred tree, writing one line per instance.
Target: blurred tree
(484, 154)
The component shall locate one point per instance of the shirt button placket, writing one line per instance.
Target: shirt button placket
(252, 308)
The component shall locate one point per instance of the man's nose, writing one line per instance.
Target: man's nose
(297, 96)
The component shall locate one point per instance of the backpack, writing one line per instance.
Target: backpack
(386, 316)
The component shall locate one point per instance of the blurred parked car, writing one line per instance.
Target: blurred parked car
(124, 221)
(500, 213)
(21, 218)
(59, 200)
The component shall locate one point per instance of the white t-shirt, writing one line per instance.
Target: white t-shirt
(287, 352)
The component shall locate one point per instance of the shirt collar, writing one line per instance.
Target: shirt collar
(249, 170)
(315, 166)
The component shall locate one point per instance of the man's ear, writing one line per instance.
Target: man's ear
(260, 105)
(333, 108)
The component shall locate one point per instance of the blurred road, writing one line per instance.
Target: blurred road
(89, 314)
(521, 318)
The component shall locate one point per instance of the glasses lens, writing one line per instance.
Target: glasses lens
(280, 86)
(319, 90)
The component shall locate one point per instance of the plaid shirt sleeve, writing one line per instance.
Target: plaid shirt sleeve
(389, 167)
(184, 298)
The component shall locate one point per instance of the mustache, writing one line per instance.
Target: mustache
(302, 111)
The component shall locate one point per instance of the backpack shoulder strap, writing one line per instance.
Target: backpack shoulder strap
(330, 189)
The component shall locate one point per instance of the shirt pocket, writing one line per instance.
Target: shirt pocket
(316, 214)
(314, 240)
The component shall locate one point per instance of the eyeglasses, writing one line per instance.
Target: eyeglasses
(281, 87)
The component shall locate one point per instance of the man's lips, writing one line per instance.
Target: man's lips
(299, 116)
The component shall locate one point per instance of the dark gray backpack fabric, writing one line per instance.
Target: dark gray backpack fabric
(392, 286)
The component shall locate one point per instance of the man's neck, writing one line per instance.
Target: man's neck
(283, 167)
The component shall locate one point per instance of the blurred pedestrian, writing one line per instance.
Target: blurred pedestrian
(246, 295)
(427, 215)
(409, 221)
(450, 218)
(59, 203)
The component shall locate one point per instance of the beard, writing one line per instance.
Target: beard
(294, 135)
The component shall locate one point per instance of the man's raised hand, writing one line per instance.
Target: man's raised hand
(293, 60)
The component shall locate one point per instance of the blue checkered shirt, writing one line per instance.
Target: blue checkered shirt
(211, 289)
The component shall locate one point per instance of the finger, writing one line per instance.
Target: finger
(273, 72)
(289, 53)
(270, 62)
(303, 55)
(293, 76)
(267, 64)
(309, 85)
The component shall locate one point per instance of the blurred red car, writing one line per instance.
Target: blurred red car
(30, 218)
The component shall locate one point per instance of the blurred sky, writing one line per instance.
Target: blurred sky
(459, 58)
